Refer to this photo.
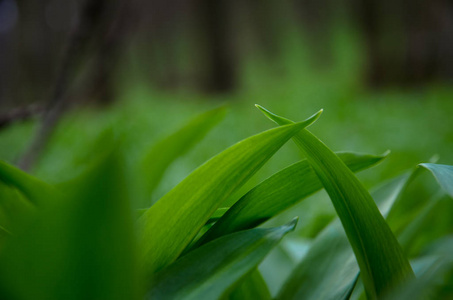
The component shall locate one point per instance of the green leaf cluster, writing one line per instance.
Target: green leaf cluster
(86, 238)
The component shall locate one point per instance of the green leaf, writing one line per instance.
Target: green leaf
(277, 193)
(162, 154)
(214, 217)
(79, 246)
(35, 190)
(382, 262)
(217, 214)
(436, 279)
(329, 269)
(430, 223)
(14, 208)
(432, 220)
(250, 287)
(443, 174)
(171, 224)
(208, 271)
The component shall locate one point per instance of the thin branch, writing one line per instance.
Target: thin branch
(20, 114)
(59, 101)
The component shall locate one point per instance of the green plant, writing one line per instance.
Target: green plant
(86, 239)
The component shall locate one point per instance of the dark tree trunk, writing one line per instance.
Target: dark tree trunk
(407, 43)
(220, 57)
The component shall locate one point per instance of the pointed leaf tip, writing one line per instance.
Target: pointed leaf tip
(443, 174)
(386, 153)
(292, 224)
(281, 120)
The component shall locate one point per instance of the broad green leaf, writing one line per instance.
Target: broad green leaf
(208, 271)
(329, 270)
(140, 212)
(14, 208)
(432, 222)
(171, 224)
(162, 154)
(382, 262)
(4, 234)
(217, 214)
(250, 287)
(35, 190)
(436, 279)
(214, 217)
(79, 246)
(443, 174)
(277, 193)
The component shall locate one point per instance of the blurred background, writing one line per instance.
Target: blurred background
(69, 69)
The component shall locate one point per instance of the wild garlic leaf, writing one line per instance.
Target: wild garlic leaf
(382, 262)
(277, 193)
(435, 279)
(15, 209)
(329, 270)
(35, 190)
(171, 224)
(79, 246)
(250, 287)
(164, 152)
(207, 272)
(443, 175)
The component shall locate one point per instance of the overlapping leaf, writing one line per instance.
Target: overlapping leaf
(329, 270)
(434, 219)
(208, 271)
(277, 193)
(436, 280)
(443, 174)
(15, 209)
(79, 246)
(170, 224)
(382, 262)
(35, 190)
(250, 287)
(162, 154)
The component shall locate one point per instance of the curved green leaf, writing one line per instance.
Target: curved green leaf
(164, 152)
(15, 209)
(432, 221)
(329, 269)
(250, 287)
(435, 281)
(80, 246)
(443, 174)
(382, 262)
(35, 190)
(170, 224)
(217, 214)
(208, 271)
(277, 193)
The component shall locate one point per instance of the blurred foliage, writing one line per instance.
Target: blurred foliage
(160, 86)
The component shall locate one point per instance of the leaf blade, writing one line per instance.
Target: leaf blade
(208, 271)
(32, 188)
(250, 287)
(176, 145)
(329, 270)
(381, 260)
(277, 193)
(191, 202)
(443, 175)
(82, 244)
